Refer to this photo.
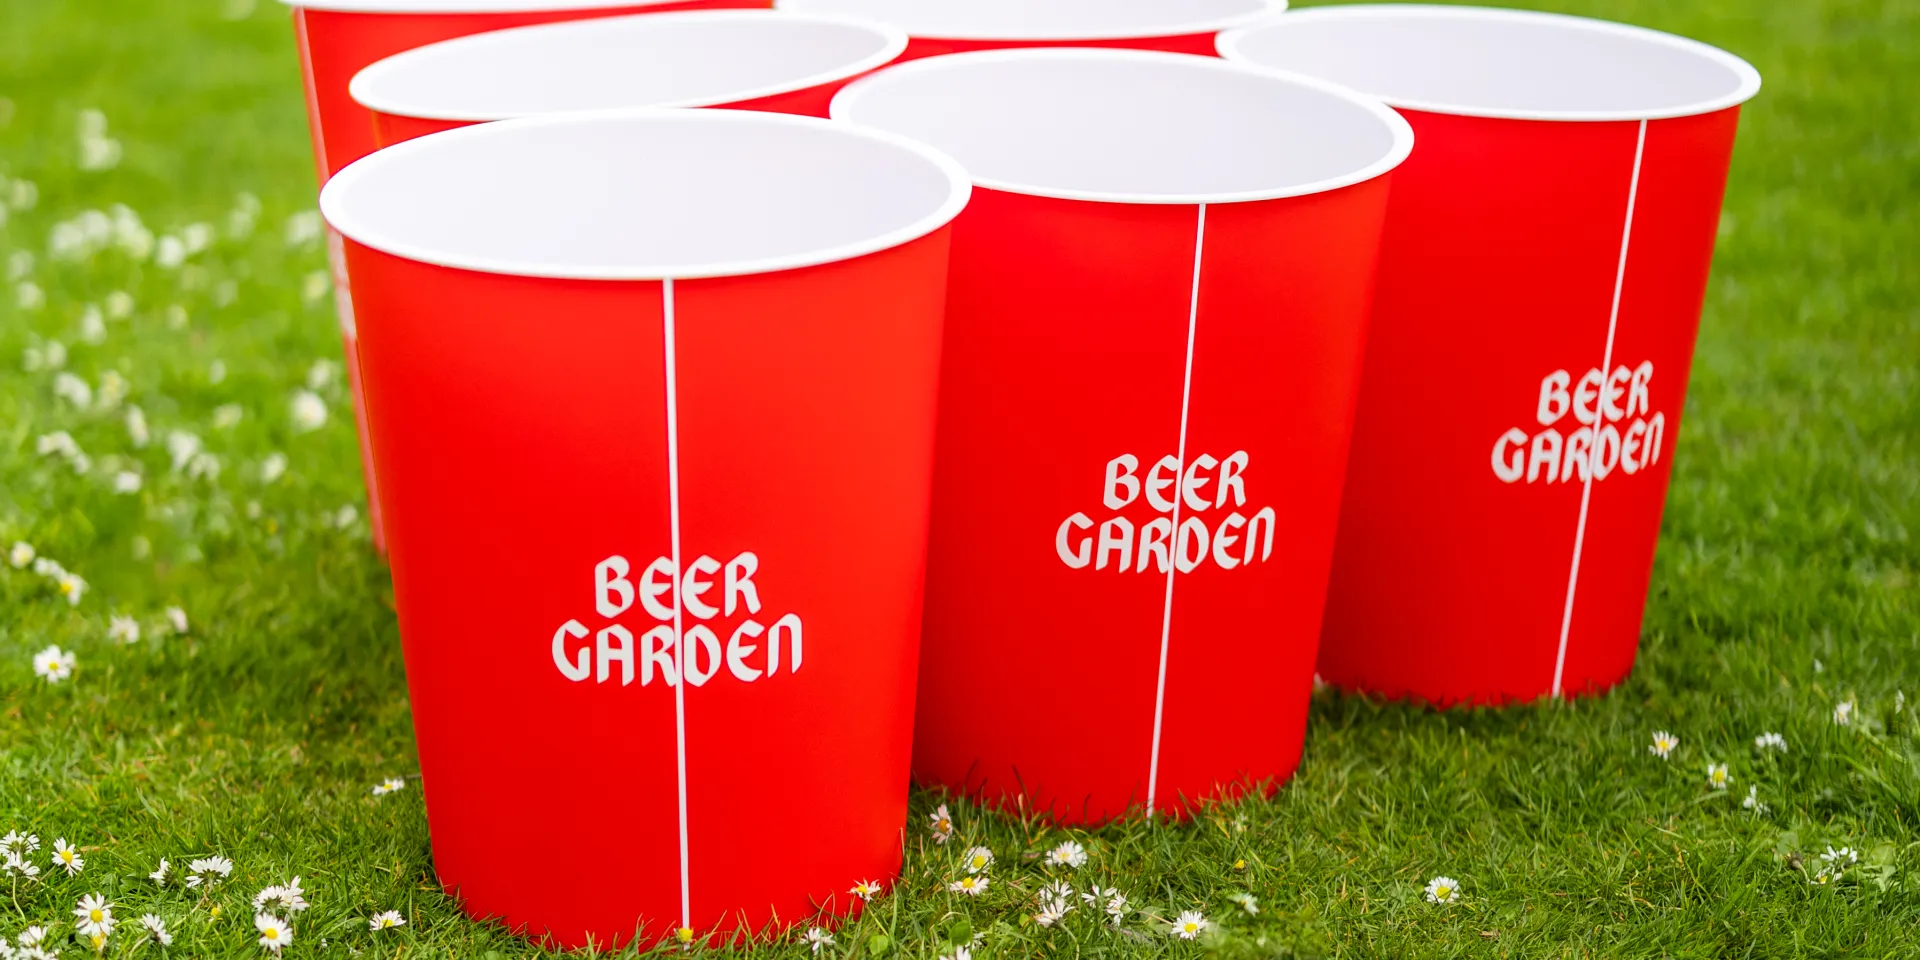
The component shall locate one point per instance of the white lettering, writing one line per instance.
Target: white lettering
(1223, 541)
(737, 652)
(1120, 475)
(580, 668)
(610, 653)
(1169, 465)
(1116, 536)
(651, 588)
(1081, 555)
(1155, 539)
(692, 586)
(702, 643)
(1230, 470)
(610, 577)
(1191, 483)
(1509, 469)
(739, 582)
(1553, 398)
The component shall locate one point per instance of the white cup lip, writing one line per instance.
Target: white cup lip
(364, 87)
(1228, 45)
(464, 6)
(960, 191)
(1263, 9)
(1397, 126)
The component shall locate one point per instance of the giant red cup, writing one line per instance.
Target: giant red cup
(652, 398)
(956, 26)
(336, 39)
(1154, 331)
(739, 59)
(1541, 278)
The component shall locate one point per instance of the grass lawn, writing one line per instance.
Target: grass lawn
(1788, 578)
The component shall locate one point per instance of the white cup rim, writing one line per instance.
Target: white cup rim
(1398, 128)
(430, 7)
(1262, 9)
(339, 214)
(365, 86)
(1230, 45)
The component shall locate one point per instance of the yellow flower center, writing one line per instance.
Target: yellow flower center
(66, 855)
(95, 915)
(685, 934)
(273, 934)
(66, 586)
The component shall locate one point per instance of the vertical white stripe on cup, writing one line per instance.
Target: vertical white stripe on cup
(1173, 539)
(1593, 447)
(679, 636)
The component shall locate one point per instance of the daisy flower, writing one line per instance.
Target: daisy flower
(971, 885)
(33, 936)
(1069, 854)
(1189, 925)
(1111, 901)
(18, 865)
(1820, 879)
(273, 467)
(1752, 802)
(123, 629)
(1717, 776)
(817, 938)
(1443, 890)
(1843, 713)
(1841, 859)
(1663, 744)
(67, 856)
(20, 843)
(159, 876)
(959, 953)
(386, 920)
(388, 785)
(156, 929)
(977, 859)
(126, 481)
(53, 664)
(283, 897)
(137, 431)
(1247, 902)
(21, 554)
(1051, 912)
(227, 416)
(71, 587)
(177, 618)
(208, 870)
(1770, 741)
(275, 934)
(941, 824)
(94, 916)
(867, 889)
(309, 411)
(1057, 890)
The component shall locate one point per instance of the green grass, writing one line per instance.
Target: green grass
(1786, 578)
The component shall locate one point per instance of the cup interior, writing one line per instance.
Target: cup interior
(1049, 19)
(1131, 126)
(688, 59)
(645, 195)
(1502, 63)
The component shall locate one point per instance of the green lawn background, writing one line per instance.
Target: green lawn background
(1785, 583)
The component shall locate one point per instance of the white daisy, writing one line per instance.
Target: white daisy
(227, 416)
(388, 785)
(1443, 890)
(309, 411)
(1189, 925)
(321, 374)
(1051, 912)
(941, 822)
(275, 933)
(1663, 744)
(959, 953)
(1770, 741)
(280, 897)
(208, 870)
(72, 587)
(817, 938)
(123, 629)
(67, 856)
(1247, 902)
(113, 389)
(1069, 854)
(1843, 713)
(53, 664)
(93, 330)
(159, 875)
(1717, 776)
(20, 843)
(137, 428)
(94, 916)
(977, 859)
(1820, 879)
(177, 618)
(314, 286)
(1752, 802)
(972, 885)
(182, 447)
(21, 554)
(1841, 859)
(273, 467)
(126, 482)
(866, 890)
(303, 228)
(156, 928)
(1058, 890)
(16, 864)
(386, 920)
(33, 936)
(74, 390)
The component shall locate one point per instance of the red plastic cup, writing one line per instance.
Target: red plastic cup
(1162, 252)
(739, 59)
(337, 38)
(604, 349)
(1541, 277)
(956, 26)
